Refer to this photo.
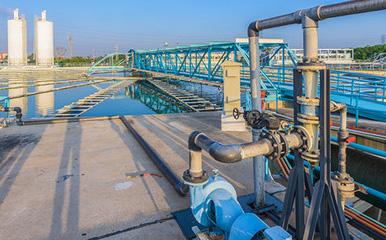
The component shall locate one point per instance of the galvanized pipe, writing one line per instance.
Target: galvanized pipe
(258, 161)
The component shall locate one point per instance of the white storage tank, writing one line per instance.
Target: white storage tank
(17, 40)
(44, 45)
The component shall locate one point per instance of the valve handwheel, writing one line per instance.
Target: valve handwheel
(236, 113)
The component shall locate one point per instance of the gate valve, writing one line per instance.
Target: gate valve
(258, 120)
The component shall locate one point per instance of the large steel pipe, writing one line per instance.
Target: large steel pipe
(232, 152)
(318, 13)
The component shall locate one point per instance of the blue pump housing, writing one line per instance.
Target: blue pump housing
(214, 204)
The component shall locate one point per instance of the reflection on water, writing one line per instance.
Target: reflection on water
(138, 98)
(18, 102)
(45, 102)
(154, 99)
(14, 84)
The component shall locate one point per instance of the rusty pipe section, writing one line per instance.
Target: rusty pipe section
(317, 13)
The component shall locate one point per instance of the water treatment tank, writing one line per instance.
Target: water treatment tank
(17, 40)
(44, 45)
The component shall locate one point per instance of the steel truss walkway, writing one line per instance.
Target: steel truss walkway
(364, 94)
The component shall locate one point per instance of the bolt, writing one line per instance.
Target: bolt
(215, 172)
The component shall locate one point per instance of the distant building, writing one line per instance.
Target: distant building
(3, 56)
(326, 55)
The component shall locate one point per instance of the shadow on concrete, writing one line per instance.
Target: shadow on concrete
(14, 152)
(176, 140)
(123, 135)
(67, 187)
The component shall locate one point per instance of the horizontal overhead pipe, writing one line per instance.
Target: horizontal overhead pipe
(317, 13)
(174, 180)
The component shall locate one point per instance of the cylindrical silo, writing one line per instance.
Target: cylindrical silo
(17, 40)
(44, 37)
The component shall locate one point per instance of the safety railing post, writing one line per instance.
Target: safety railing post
(356, 112)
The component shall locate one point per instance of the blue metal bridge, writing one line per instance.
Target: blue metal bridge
(364, 94)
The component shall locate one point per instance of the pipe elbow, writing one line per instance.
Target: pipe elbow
(192, 141)
(253, 29)
(225, 153)
(17, 109)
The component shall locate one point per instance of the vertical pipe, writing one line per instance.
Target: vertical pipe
(258, 162)
(195, 163)
(346, 187)
(310, 45)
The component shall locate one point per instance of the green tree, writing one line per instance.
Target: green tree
(368, 52)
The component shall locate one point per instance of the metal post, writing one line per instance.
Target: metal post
(209, 63)
(258, 162)
(295, 190)
(283, 66)
(325, 204)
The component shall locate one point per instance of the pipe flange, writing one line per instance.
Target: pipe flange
(302, 100)
(306, 138)
(346, 185)
(311, 157)
(284, 144)
(279, 143)
(275, 143)
(190, 180)
(308, 119)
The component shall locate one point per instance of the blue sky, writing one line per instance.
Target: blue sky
(99, 25)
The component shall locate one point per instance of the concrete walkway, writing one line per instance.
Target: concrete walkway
(67, 180)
